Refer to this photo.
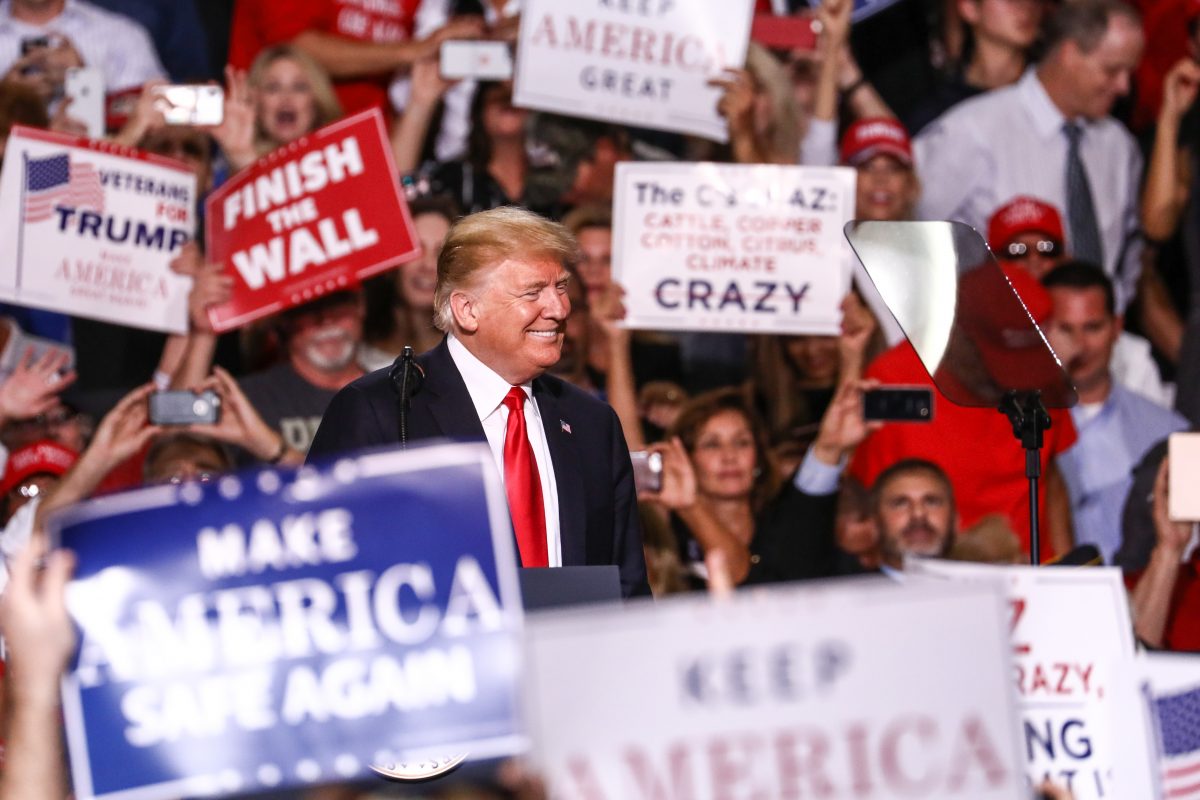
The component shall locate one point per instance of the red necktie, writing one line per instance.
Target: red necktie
(523, 485)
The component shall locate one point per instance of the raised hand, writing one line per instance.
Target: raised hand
(33, 387)
(239, 422)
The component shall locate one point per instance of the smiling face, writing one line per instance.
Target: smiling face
(887, 190)
(725, 456)
(417, 279)
(514, 318)
(287, 106)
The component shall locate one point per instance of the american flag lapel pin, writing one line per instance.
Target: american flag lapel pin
(566, 428)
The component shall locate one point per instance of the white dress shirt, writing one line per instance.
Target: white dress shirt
(1007, 142)
(487, 390)
(115, 44)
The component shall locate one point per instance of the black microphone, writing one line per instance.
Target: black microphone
(407, 376)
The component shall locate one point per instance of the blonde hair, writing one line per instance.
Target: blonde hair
(478, 242)
(325, 100)
(782, 137)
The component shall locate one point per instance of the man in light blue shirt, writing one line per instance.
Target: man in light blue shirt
(1014, 141)
(1116, 426)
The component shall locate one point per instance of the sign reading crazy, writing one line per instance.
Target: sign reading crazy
(835, 691)
(272, 630)
(315, 216)
(737, 248)
(640, 62)
(1065, 671)
(90, 229)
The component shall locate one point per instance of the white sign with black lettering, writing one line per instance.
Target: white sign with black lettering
(730, 247)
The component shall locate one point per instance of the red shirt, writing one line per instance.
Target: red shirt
(1183, 619)
(262, 23)
(975, 446)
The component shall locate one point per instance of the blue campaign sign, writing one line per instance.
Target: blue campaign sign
(275, 629)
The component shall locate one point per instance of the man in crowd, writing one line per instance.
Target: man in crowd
(1116, 426)
(913, 505)
(1050, 136)
(321, 341)
(501, 298)
(41, 39)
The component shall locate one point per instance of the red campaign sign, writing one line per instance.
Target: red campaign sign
(318, 215)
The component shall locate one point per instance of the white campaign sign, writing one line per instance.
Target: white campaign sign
(860, 688)
(1071, 631)
(720, 247)
(644, 63)
(89, 229)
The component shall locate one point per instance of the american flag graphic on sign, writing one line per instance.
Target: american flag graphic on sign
(1179, 732)
(56, 181)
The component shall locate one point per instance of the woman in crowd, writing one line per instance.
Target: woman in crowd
(795, 377)
(400, 303)
(285, 96)
(722, 492)
(494, 170)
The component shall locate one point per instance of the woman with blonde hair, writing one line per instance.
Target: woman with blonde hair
(285, 95)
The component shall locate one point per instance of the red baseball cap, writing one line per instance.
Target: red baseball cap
(1023, 214)
(876, 136)
(1191, 10)
(44, 457)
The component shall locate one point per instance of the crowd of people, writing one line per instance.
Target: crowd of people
(1044, 124)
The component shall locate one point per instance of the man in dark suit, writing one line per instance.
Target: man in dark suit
(501, 299)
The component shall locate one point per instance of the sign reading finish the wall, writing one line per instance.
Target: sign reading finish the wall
(315, 216)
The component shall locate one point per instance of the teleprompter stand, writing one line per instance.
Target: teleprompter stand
(1029, 420)
(966, 318)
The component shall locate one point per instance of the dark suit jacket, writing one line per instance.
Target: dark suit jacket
(597, 506)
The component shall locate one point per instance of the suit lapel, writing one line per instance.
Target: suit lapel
(572, 513)
(446, 398)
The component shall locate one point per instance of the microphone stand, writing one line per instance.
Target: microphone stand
(1030, 421)
(406, 377)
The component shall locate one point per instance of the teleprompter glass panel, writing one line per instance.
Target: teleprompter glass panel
(969, 326)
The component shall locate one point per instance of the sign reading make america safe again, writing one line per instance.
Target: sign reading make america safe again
(273, 630)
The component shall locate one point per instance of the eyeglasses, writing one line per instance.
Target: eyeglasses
(29, 490)
(1046, 248)
(201, 477)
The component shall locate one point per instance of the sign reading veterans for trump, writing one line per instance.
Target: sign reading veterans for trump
(89, 229)
(637, 62)
(753, 248)
(318, 215)
(859, 689)
(272, 630)
(1070, 632)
